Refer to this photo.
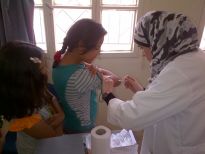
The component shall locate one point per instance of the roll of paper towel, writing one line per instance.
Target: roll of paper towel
(100, 140)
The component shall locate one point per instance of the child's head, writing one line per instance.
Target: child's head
(23, 80)
(84, 33)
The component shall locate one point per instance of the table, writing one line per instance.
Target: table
(70, 144)
(66, 144)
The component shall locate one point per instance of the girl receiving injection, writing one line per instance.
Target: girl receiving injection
(76, 79)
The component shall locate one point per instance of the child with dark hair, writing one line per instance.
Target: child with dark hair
(26, 104)
(76, 79)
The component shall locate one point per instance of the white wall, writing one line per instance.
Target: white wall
(136, 65)
(192, 8)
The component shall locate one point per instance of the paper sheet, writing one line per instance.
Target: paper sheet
(121, 143)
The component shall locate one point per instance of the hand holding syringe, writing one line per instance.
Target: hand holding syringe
(128, 81)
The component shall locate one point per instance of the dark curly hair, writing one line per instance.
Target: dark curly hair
(23, 84)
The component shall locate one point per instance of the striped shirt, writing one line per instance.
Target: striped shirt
(76, 87)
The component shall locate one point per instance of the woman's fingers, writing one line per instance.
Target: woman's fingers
(129, 81)
(108, 84)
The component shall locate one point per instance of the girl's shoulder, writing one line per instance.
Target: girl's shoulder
(83, 74)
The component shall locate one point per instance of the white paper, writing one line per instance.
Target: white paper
(100, 140)
(121, 143)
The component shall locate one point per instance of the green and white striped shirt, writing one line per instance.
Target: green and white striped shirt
(76, 87)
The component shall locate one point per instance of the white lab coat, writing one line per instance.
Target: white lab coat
(171, 111)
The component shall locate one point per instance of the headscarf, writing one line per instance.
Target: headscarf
(168, 35)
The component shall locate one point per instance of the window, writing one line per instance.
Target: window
(53, 18)
(202, 44)
(39, 26)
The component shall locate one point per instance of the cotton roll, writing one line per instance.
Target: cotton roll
(100, 140)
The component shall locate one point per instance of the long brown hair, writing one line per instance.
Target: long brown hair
(23, 84)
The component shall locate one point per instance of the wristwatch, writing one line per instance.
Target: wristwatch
(107, 97)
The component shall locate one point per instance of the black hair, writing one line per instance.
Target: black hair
(86, 31)
(23, 84)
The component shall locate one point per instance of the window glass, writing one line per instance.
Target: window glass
(202, 44)
(39, 28)
(72, 2)
(119, 25)
(38, 2)
(119, 2)
(64, 19)
(117, 17)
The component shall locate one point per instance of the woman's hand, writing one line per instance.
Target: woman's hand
(92, 68)
(103, 73)
(108, 84)
(132, 84)
(106, 73)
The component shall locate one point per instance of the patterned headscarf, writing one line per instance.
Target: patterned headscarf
(168, 35)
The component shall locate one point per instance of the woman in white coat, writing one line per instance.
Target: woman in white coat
(171, 110)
